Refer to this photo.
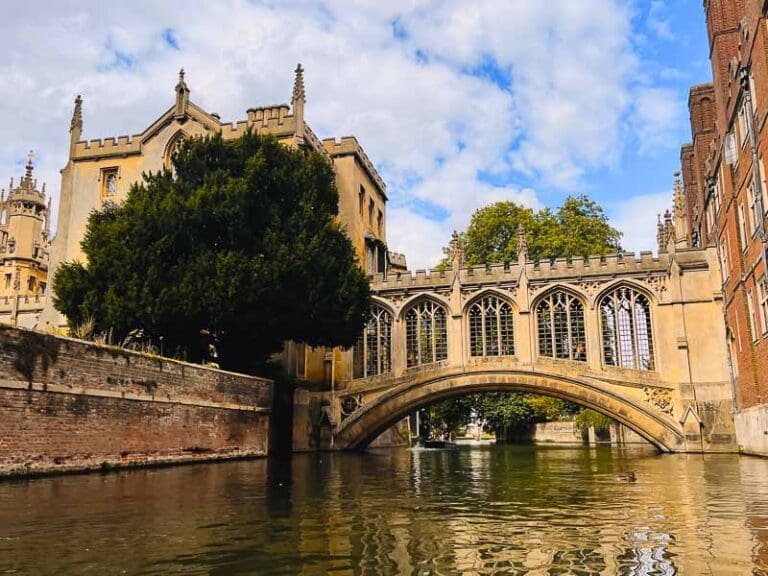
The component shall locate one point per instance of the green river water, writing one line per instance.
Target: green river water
(476, 510)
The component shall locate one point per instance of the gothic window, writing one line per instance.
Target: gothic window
(173, 147)
(491, 328)
(426, 333)
(561, 331)
(109, 183)
(372, 354)
(627, 335)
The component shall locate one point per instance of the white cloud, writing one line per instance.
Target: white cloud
(636, 217)
(658, 113)
(539, 89)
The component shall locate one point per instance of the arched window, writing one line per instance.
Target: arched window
(491, 329)
(373, 351)
(627, 339)
(560, 321)
(426, 333)
(173, 146)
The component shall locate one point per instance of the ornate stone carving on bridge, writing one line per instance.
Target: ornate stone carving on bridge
(656, 283)
(590, 288)
(350, 405)
(661, 398)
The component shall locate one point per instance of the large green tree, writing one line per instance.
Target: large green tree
(237, 250)
(579, 227)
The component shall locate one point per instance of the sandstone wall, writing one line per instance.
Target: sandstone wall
(69, 405)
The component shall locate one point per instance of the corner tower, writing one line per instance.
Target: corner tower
(24, 247)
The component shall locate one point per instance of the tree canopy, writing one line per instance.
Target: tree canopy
(579, 227)
(237, 250)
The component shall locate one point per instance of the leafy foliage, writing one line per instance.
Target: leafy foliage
(238, 251)
(590, 419)
(577, 228)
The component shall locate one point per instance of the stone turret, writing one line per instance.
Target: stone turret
(24, 244)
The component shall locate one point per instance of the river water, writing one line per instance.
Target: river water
(482, 510)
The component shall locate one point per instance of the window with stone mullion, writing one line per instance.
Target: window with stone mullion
(627, 330)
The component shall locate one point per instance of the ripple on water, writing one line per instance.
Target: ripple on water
(485, 510)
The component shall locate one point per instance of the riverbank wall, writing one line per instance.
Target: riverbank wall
(69, 405)
(752, 430)
(566, 432)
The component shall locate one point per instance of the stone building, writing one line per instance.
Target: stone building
(726, 196)
(103, 170)
(24, 247)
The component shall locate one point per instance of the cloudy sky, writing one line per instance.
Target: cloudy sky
(459, 103)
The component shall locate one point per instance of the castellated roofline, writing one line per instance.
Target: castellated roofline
(349, 146)
(620, 265)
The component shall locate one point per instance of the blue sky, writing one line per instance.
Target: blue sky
(458, 103)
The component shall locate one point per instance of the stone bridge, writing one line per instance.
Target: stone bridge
(640, 339)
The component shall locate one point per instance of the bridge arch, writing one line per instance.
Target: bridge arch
(374, 417)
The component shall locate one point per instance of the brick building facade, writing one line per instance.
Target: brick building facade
(726, 195)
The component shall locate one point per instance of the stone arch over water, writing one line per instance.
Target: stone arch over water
(378, 414)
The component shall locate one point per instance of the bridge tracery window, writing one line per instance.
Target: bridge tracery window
(561, 331)
(426, 333)
(626, 325)
(373, 351)
(491, 328)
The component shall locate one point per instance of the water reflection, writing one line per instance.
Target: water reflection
(486, 510)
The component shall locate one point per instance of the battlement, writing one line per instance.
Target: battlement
(264, 114)
(397, 259)
(349, 146)
(122, 145)
(576, 268)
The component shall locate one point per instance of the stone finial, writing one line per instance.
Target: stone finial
(456, 250)
(298, 103)
(298, 84)
(679, 204)
(30, 168)
(522, 244)
(182, 95)
(76, 124)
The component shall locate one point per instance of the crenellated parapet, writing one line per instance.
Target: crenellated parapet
(349, 146)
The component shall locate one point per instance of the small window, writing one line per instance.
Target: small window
(361, 200)
(763, 185)
(742, 227)
(31, 283)
(109, 183)
(762, 295)
(751, 308)
(381, 223)
(724, 262)
(43, 285)
(754, 217)
(8, 280)
(370, 211)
